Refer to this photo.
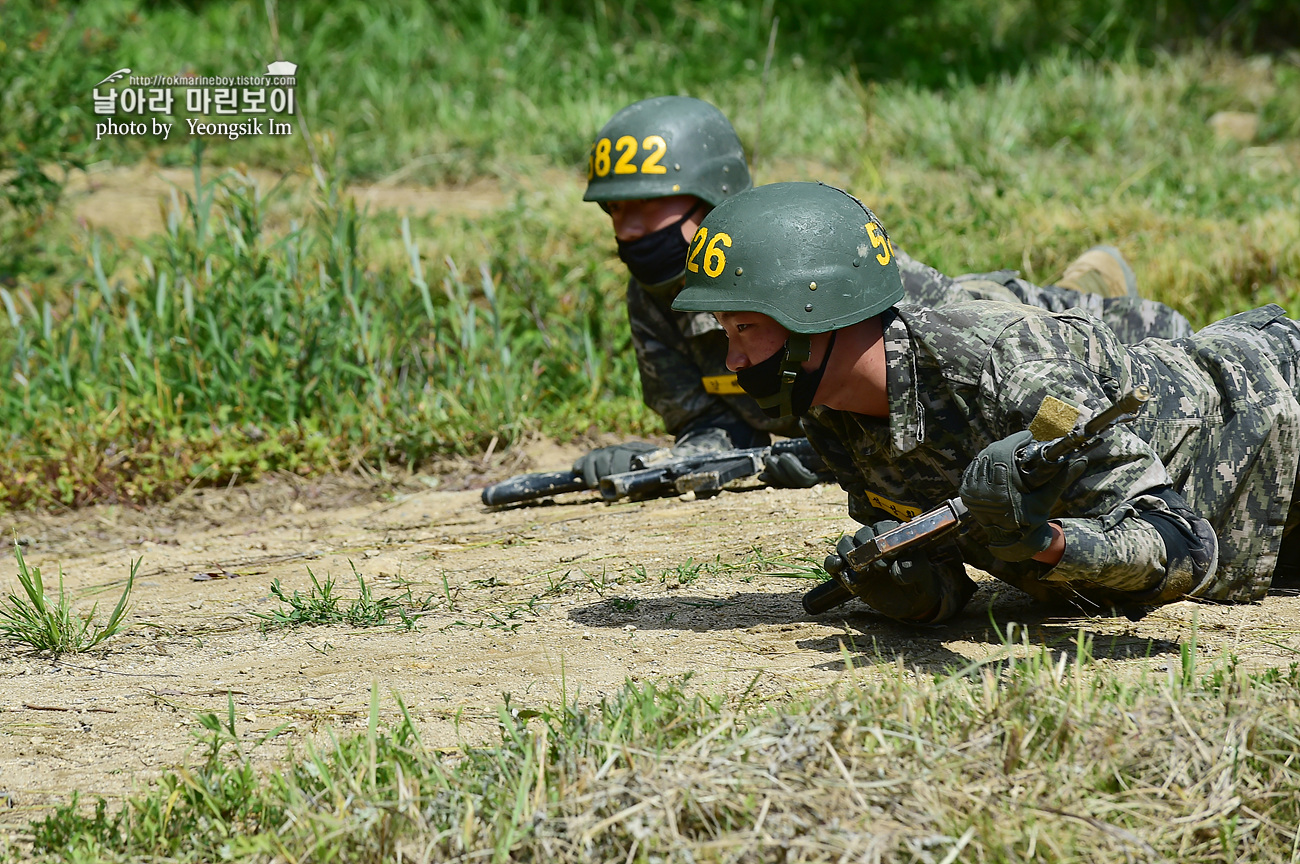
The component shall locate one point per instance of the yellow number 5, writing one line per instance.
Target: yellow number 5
(879, 241)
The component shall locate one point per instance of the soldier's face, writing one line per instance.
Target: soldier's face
(634, 219)
(752, 337)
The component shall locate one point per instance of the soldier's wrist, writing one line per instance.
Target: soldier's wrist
(1055, 551)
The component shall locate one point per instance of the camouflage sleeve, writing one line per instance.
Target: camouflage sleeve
(1162, 551)
(1132, 319)
(1129, 551)
(671, 384)
(925, 286)
(840, 464)
(1111, 538)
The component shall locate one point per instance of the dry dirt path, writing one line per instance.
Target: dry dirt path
(130, 200)
(542, 602)
(549, 602)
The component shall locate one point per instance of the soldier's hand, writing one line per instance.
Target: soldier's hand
(615, 459)
(1013, 515)
(787, 471)
(909, 588)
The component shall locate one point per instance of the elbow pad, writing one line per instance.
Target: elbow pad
(1191, 549)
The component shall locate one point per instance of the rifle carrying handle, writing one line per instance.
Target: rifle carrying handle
(825, 597)
(526, 487)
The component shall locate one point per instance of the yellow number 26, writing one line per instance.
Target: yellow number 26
(714, 258)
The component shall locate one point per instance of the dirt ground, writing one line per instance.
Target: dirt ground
(566, 599)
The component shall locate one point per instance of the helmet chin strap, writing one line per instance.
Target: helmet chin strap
(798, 351)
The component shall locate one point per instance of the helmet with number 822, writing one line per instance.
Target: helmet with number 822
(808, 255)
(668, 145)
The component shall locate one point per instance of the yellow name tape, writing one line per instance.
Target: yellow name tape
(899, 511)
(723, 385)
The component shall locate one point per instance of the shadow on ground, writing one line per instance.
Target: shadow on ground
(998, 616)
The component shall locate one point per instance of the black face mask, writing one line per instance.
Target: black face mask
(660, 256)
(763, 382)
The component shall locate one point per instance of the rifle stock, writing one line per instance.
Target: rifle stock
(526, 487)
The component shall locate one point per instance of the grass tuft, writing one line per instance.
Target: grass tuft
(322, 606)
(49, 624)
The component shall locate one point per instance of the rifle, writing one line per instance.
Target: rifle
(656, 474)
(1036, 461)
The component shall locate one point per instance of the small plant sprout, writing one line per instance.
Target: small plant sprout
(322, 606)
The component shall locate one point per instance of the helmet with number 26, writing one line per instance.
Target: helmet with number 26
(810, 256)
(668, 145)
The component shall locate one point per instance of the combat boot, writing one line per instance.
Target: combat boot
(1101, 270)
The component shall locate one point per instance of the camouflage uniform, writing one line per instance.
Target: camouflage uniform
(682, 355)
(1131, 318)
(1222, 428)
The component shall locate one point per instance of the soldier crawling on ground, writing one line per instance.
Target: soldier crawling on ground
(910, 406)
(657, 168)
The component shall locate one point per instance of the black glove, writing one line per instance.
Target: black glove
(615, 459)
(1013, 515)
(909, 588)
(787, 471)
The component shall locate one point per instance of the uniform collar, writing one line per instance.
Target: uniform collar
(691, 323)
(906, 417)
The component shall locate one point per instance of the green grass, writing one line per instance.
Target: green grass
(456, 89)
(289, 330)
(49, 624)
(219, 350)
(323, 606)
(1030, 755)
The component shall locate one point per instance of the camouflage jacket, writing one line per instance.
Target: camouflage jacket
(1131, 318)
(1222, 428)
(682, 355)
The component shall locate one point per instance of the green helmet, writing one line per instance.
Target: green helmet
(809, 255)
(668, 145)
